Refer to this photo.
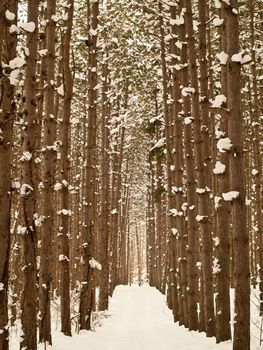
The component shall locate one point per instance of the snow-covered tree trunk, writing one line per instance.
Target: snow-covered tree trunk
(123, 277)
(88, 284)
(241, 340)
(151, 226)
(203, 191)
(64, 234)
(8, 43)
(190, 178)
(222, 209)
(257, 170)
(116, 209)
(105, 183)
(48, 170)
(29, 187)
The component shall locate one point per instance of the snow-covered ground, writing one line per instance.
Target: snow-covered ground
(138, 319)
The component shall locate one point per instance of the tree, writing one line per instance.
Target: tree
(88, 285)
(64, 173)
(203, 190)
(190, 180)
(29, 187)
(8, 41)
(222, 211)
(105, 200)
(241, 340)
(257, 171)
(48, 169)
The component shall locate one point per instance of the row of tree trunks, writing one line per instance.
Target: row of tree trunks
(186, 94)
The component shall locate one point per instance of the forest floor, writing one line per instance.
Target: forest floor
(138, 319)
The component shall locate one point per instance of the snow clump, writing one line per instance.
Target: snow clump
(216, 266)
(17, 62)
(60, 90)
(219, 168)
(219, 101)
(26, 156)
(223, 57)
(28, 27)
(63, 257)
(95, 264)
(217, 22)
(174, 231)
(224, 144)
(217, 200)
(25, 190)
(229, 196)
(160, 143)
(9, 15)
(58, 186)
(200, 218)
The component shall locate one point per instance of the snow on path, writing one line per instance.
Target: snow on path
(140, 321)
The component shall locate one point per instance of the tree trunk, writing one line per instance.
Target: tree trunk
(222, 217)
(88, 284)
(190, 187)
(48, 169)
(118, 156)
(139, 253)
(241, 339)
(64, 176)
(7, 106)
(257, 152)
(28, 193)
(105, 212)
(204, 213)
(123, 231)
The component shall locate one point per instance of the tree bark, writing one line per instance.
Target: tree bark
(8, 43)
(190, 185)
(105, 205)
(241, 339)
(64, 175)
(257, 152)
(222, 217)
(88, 284)
(28, 193)
(202, 180)
(48, 170)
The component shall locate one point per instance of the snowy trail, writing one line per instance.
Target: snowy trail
(140, 321)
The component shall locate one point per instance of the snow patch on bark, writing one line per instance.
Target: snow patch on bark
(94, 264)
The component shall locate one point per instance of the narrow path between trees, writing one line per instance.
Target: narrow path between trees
(140, 320)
